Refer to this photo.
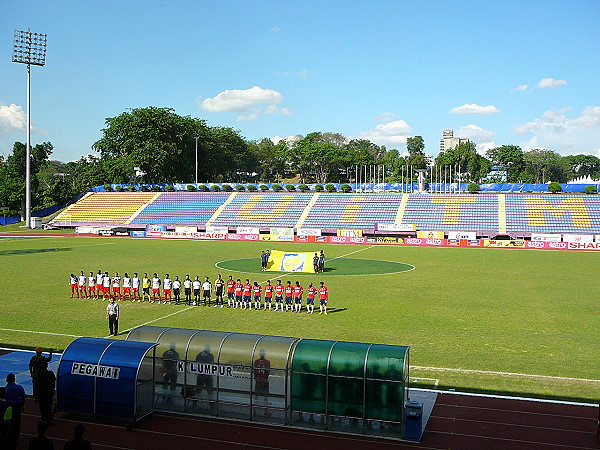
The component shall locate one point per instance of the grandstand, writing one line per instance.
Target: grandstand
(486, 214)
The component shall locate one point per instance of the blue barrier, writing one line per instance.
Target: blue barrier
(374, 187)
(10, 220)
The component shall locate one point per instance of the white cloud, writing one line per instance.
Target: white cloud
(289, 139)
(241, 100)
(521, 87)
(12, 117)
(390, 133)
(556, 131)
(275, 29)
(472, 108)
(246, 101)
(546, 83)
(475, 133)
(483, 147)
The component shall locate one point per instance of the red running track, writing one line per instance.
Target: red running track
(457, 422)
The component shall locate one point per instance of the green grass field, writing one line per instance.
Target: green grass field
(473, 317)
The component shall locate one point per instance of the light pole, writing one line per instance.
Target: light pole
(196, 178)
(29, 48)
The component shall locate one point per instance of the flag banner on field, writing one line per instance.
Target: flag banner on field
(290, 262)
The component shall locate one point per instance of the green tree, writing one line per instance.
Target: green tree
(542, 166)
(157, 140)
(415, 145)
(583, 165)
(509, 157)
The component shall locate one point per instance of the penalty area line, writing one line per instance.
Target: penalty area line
(507, 374)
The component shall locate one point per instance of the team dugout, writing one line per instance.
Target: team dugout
(342, 386)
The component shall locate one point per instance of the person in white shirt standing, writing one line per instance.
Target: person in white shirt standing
(106, 286)
(112, 315)
(177, 290)
(91, 292)
(99, 285)
(207, 288)
(156, 288)
(81, 289)
(197, 285)
(135, 285)
(167, 285)
(187, 289)
(126, 286)
(116, 286)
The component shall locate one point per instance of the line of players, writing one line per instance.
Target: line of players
(239, 295)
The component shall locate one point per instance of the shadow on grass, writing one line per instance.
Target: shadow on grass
(335, 310)
(31, 251)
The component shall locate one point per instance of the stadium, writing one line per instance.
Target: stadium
(436, 272)
(297, 225)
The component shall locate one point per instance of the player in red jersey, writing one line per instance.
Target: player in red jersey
(238, 289)
(279, 295)
(323, 297)
(268, 294)
(298, 290)
(256, 288)
(289, 293)
(230, 292)
(310, 299)
(262, 368)
(247, 295)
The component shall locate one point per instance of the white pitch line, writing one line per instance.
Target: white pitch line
(508, 374)
(160, 318)
(38, 332)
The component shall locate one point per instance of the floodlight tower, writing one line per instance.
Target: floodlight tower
(29, 48)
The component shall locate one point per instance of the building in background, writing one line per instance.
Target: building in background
(448, 140)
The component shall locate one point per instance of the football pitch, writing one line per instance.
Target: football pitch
(506, 321)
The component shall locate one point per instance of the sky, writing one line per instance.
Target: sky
(497, 72)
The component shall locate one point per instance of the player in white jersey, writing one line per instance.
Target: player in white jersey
(167, 286)
(116, 287)
(91, 293)
(81, 289)
(99, 285)
(135, 286)
(106, 286)
(156, 282)
(126, 286)
(73, 284)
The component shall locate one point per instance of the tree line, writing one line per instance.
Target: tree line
(156, 145)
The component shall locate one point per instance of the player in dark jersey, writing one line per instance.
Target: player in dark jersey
(219, 286)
